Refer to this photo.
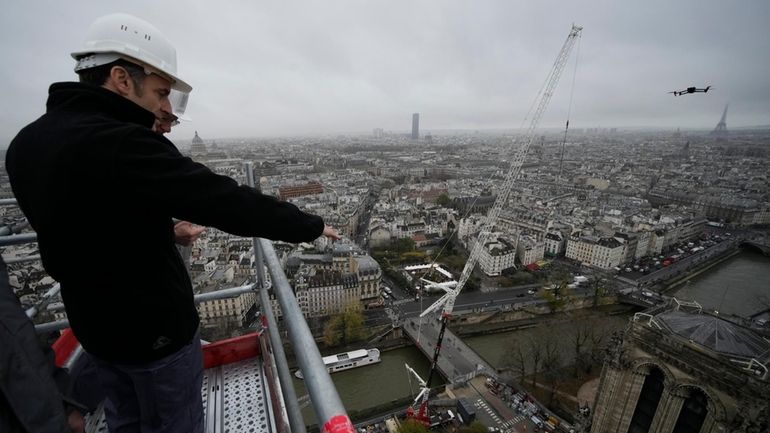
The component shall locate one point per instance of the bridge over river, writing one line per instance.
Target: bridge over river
(457, 362)
(761, 244)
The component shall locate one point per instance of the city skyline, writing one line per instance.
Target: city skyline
(279, 70)
(632, 223)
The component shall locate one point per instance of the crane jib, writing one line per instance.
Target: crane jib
(448, 300)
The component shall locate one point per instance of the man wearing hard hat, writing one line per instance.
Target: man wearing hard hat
(90, 171)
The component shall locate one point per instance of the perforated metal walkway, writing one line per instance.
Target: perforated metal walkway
(235, 400)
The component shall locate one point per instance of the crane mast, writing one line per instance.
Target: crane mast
(448, 300)
(516, 163)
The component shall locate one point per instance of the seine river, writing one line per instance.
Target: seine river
(733, 287)
(365, 387)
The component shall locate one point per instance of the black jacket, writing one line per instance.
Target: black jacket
(100, 189)
(32, 389)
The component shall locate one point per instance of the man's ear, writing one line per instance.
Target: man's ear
(120, 81)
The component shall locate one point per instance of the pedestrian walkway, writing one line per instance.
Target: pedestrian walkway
(482, 405)
(511, 422)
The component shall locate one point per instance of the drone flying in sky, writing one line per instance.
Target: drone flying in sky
(691, 90)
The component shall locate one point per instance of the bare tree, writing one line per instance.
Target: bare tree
(519, 362)
(598, 338)
(551, 363)
(598, 286)
(535, 354)
(516, 357)
(581, 337)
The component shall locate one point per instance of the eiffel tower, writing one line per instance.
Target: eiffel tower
(720, 132)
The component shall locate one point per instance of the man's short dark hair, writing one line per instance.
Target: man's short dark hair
(98, 75)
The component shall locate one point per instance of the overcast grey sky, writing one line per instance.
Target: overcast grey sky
(269, 68)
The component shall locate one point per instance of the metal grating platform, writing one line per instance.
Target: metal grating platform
(235, 400)
(238, 399)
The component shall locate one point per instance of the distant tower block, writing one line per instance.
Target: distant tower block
(415, 126)
(720, 132)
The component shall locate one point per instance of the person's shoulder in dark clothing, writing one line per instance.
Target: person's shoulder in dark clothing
(32, 389)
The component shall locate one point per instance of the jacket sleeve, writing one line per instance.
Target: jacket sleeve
(151, 168)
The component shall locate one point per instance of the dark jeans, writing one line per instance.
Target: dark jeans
(159, 396)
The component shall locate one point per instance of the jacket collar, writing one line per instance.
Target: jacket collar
(89, 98)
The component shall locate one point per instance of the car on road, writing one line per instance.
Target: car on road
(531, 291)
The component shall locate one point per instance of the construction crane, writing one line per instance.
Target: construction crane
(447, 301)
(424, 390)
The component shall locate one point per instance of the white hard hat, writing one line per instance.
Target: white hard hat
(116, 36)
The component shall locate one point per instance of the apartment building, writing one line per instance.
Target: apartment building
(321, 292)
(555, 244)
(605, 253)
(497, 255)
(530, 250)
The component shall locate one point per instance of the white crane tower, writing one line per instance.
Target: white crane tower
(447, 301)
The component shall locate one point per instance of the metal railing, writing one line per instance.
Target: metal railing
(323, 394)
(49, 296)
(12, 260)
(22, 238)
(8, 234)
(293, 410)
